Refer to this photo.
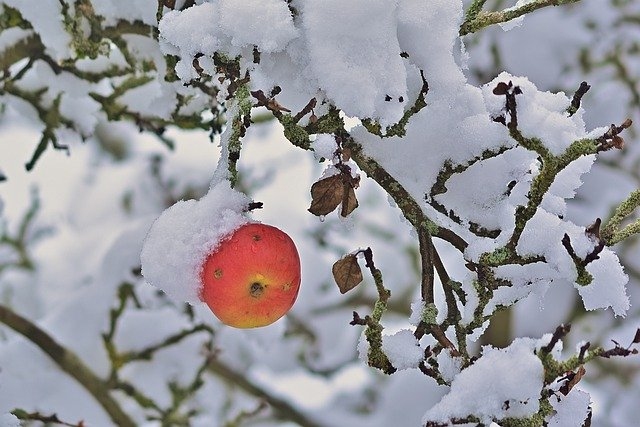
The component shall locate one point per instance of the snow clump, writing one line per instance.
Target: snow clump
(180, 240)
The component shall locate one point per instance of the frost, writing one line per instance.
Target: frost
(182, 237)
(571, 410)
(513, 375)
(402, 349)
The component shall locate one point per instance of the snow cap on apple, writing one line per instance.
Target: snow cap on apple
(208, 250)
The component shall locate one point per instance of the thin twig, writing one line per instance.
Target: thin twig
(283, 409)
(481, 19)
(69, 362)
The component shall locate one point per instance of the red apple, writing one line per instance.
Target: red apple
(252, 278)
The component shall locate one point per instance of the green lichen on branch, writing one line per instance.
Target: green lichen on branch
(551, 167)
(18, 243)
(85, 45)
(295, 133)
(49, 115)
(376, 357)
(429, 314)
(234, 144)
(536, 420)
(611, 232)
(477, 19)
(171, 414)
(373, 331)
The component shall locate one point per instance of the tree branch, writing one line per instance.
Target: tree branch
(69, 362)
(477, 19)
(283, 409)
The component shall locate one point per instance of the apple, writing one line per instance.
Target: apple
(252, 278)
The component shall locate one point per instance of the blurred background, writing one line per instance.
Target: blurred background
(71, 231)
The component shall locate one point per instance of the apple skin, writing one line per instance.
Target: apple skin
(253, 277)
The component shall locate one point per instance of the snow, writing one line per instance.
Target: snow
(571, 410)
(517, 22)
(46, 18)
(448, 365)
(427, 32)
(502, 383)
(266, 24)
(566, 184)
(541, 114)
(12, 36)
(543, 236)
(417, 311)
(128, 10)
(356, 56)
(228, 26)
(180, 240)
(402, 349)
(608, 286)
(324, 146)
(9, 420)
(365, 57)
(151, 99)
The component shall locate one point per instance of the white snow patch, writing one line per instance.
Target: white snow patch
(324, 146)
(267, 24)
(356, 56)
(448, 365)
(9, 420)
(184, 235)
(608, 286)
(402, 349)
(571, 410)
(513, 375)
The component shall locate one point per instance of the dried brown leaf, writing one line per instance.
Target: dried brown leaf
(349, 201)
(572, 380)
(326, 195)
(347, 273)
(274, 105)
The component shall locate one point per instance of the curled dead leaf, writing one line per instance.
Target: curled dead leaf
(572, 379)
(347, 273)
(326, 195)
(349, 201)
